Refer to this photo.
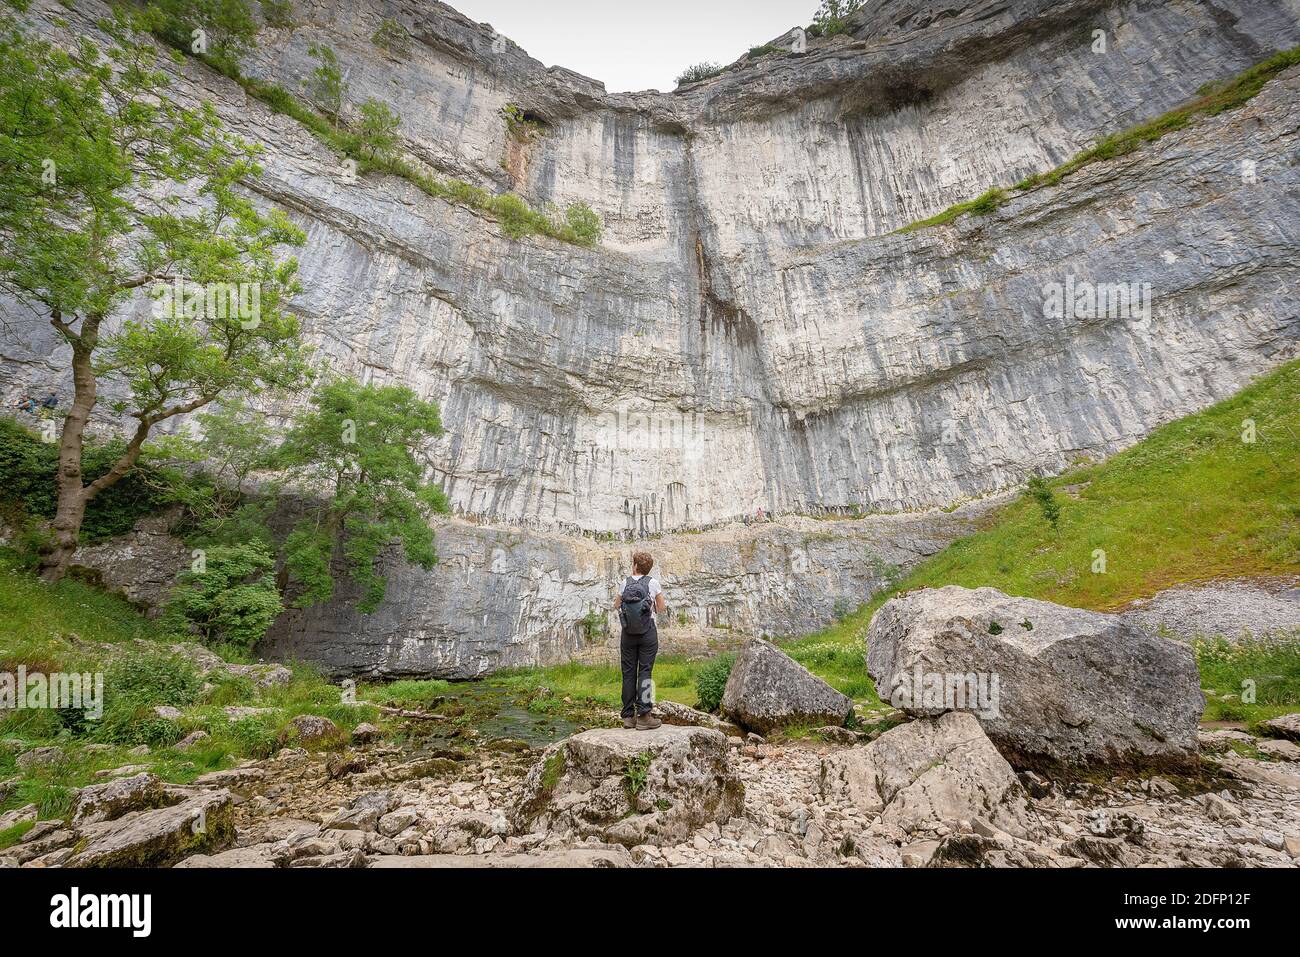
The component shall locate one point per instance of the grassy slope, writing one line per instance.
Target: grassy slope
(1189, 503)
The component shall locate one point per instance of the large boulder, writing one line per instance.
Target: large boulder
(631, 787)
(1052, 686)
(928, 772)
(768, 690)
(309, 729)
(159, 837)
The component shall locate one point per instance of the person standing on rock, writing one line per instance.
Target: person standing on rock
(641, 598)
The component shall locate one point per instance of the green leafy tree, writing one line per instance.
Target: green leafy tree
(584, 224)
(354, 453)
(225, 505)
(391, 36)
(237, 441)
(108, 187)
(230, 595)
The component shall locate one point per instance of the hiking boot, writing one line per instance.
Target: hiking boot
(629, 723)
(647, 722)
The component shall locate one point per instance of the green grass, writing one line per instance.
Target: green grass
(982, 205)
(12, 835)
(1190, 503)
(836, 655)
(602, 685)
(1267, 670)
(404, 694)
(36, 617)
(1213, 99)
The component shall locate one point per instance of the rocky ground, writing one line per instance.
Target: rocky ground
(380, 805)
(1258, 607)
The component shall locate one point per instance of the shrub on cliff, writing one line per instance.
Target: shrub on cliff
(1041, 492)
(373, 136)
(584, 225)
(224, 29)
(277, 13)
(391, 36)
(697, 72)
(712, 681)
(228, 596)
(832, 16)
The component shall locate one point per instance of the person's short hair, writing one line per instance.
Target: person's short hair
(642, 562)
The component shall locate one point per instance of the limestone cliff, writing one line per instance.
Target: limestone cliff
(753, 333)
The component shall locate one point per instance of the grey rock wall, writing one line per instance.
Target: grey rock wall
(752, 333)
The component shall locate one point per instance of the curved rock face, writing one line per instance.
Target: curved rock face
(1051, 685)
(752, 333)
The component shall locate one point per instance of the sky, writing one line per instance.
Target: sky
(638, 45)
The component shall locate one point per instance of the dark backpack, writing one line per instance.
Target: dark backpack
(636, 612)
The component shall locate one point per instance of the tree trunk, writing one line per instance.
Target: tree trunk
(71, 508)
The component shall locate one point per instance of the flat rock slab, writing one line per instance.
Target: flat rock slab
(578, 857)
(928, 772)
(255, 856)
(1284, 726)
(768, 690)
(685, 716)
(1051, 685)
(233, 778)
(631, 787)
(1231, 609)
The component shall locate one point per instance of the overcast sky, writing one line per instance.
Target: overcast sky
(637, 45)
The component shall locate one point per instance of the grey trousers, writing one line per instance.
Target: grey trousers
(637, 657)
